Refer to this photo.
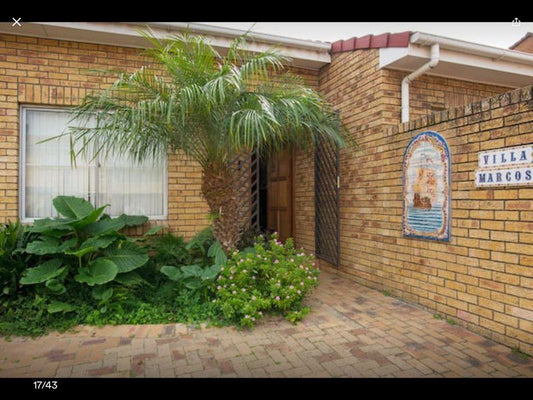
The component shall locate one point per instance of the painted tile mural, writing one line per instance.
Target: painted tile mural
(426, 187)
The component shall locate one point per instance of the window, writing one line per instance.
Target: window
(46, 172)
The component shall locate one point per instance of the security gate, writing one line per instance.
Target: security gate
(327, 241)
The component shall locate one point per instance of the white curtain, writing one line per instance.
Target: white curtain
(48, 170)
(129, 188)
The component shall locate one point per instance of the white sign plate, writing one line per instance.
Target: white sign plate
(505, 157)
(505, 176)
(512, 166)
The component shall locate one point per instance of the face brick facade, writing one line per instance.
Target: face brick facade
(482, 278)
(36, 71)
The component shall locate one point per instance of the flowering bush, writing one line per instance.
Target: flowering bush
(271, 276)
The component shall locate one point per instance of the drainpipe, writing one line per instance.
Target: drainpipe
(433, 61)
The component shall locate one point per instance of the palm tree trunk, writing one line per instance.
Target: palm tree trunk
(218, 189)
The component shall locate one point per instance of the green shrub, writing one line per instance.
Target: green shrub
(13, 239)
(169, 249)
(199, 246)
(254, 281)
(198, 277)
(85, 247)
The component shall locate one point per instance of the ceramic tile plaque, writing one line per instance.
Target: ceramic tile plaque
(426, 187)
(511, 166)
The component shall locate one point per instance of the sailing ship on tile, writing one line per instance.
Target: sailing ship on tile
(426, 188)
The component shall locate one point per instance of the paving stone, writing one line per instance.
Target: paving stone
(352, 331)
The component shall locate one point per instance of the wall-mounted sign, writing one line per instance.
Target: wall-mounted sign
(505, 167)
(426, 187)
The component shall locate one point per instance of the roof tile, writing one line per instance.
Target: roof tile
(372, 42)
(363, 42)
(379, 41)
(349, 44)
(399, 39)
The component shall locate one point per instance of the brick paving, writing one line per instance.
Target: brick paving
(353, 331)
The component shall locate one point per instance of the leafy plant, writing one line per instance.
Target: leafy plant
(200, 244)
(169, 249)
(84, 246)
(13, 238)
(273, 278)
(196, 277)
(212, 108)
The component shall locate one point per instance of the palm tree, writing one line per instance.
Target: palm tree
(210, 108)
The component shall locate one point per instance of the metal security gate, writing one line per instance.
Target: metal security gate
(327, 243)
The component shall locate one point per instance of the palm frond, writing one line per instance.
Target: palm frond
(204, 106)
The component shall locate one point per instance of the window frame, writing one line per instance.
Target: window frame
(22, 164)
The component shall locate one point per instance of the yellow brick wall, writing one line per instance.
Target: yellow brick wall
(483, 277)
(429, 94)
(37, 71)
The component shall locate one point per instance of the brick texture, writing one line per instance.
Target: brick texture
(482, 277)
(37, 71)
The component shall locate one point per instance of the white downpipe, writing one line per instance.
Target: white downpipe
(433, 61)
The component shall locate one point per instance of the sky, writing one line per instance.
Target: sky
(497, 34)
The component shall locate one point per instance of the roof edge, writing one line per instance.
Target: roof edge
(372, 42)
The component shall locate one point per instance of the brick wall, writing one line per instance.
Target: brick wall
(482, 278)
(430, 94)
(41, 71)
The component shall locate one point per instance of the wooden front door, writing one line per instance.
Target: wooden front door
(279, 194)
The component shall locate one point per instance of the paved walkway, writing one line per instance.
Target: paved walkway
(352, 331)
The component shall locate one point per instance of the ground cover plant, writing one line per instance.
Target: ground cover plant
(80, 268)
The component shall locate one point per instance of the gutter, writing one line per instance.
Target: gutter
(233, 33)
(495, 53)
(433, 61)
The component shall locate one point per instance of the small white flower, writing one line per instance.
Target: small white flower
(291, 287)
(234, 292)
(247, 316)
(260, 313)
(291, 260)
(230, 277)
(214, 300)
(253, 277)
(232, 284)
(244, 271)
(301, 283)
(241, 260)
(287, 297)
(277, 298)
(244, 289)
(299, 291)
(219, 287)
(253, 318)
(253, 297)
